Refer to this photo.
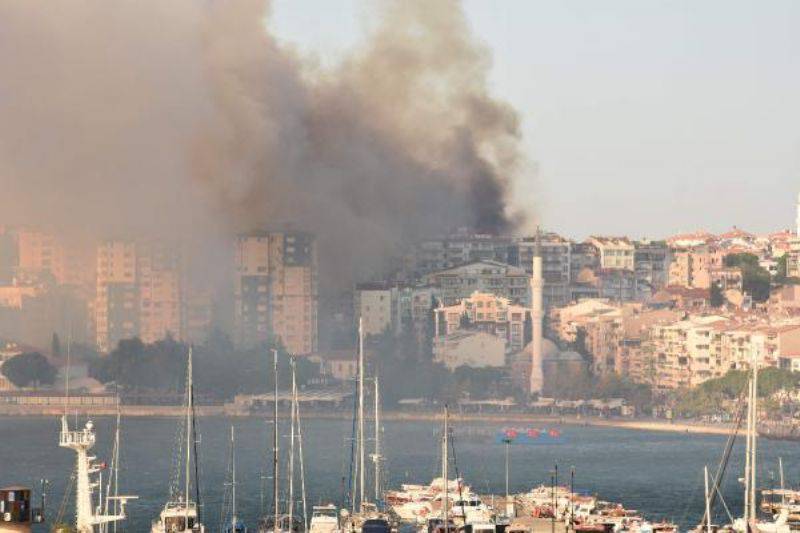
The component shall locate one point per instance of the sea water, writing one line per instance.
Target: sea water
(657, 473)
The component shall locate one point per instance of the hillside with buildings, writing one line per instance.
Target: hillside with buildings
(662, 316)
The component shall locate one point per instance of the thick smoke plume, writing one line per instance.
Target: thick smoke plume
(188, 117)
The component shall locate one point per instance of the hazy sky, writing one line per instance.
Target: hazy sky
(640, 117)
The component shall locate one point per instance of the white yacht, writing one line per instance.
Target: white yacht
(324, 519)
(181, 512)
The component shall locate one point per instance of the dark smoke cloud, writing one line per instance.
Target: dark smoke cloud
(188, 117)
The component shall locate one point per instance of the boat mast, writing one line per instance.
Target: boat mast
(188, 432)
(291, 442)
(302, 466)
(747, 452)
(783, 488)
(377, 441)
(233, 480)
(444, 472)
(508, 444)
(708, 501)
(754, 445)
(275, 526)
(361, 463)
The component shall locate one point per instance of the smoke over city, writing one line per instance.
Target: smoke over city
(189, 118)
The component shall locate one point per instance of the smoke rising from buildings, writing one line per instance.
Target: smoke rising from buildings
(189, 118)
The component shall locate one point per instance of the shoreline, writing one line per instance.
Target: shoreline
(169, 411)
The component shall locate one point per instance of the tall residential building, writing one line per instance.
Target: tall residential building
(116, 307)
(138, 292)
(159, 279)
(276, 290)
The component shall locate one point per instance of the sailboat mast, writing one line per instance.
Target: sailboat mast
(783, 488)
(377, 441)
(748, 443)
(233, 480)
(275, 525)
(115, 467)
(708, 500)
(291, 442)
(188, 432)
(754, 445)
(302, 466)
(361, 463)
(445, 458)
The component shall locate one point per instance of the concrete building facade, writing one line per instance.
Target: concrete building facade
(500, 279)
(276, 290)
(488, 313)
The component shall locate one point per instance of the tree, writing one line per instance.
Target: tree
(717, 298)
(31, 368)
(55, 346)
(527, 329)
(755, 279)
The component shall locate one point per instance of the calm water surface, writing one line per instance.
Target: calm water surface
(657, 473)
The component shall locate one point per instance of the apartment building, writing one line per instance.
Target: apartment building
(614, 252)
(116, 305)
(159, 279)
(375, 304)
(556, 265)
(458, 283)
(693, 267)
(651, 261)
(139, 292)
(457, 249)
(688, 352)
(488, 313)
(276, 290)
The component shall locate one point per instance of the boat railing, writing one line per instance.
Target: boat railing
(80, 438)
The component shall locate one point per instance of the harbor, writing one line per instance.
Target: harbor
(368, 499)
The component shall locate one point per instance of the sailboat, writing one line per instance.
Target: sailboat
(230, 519)
(286, 522)
(181, 512)
(365, 515)
(749, 521)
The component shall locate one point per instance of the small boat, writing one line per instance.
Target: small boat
(16, 513)
(324, 519)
